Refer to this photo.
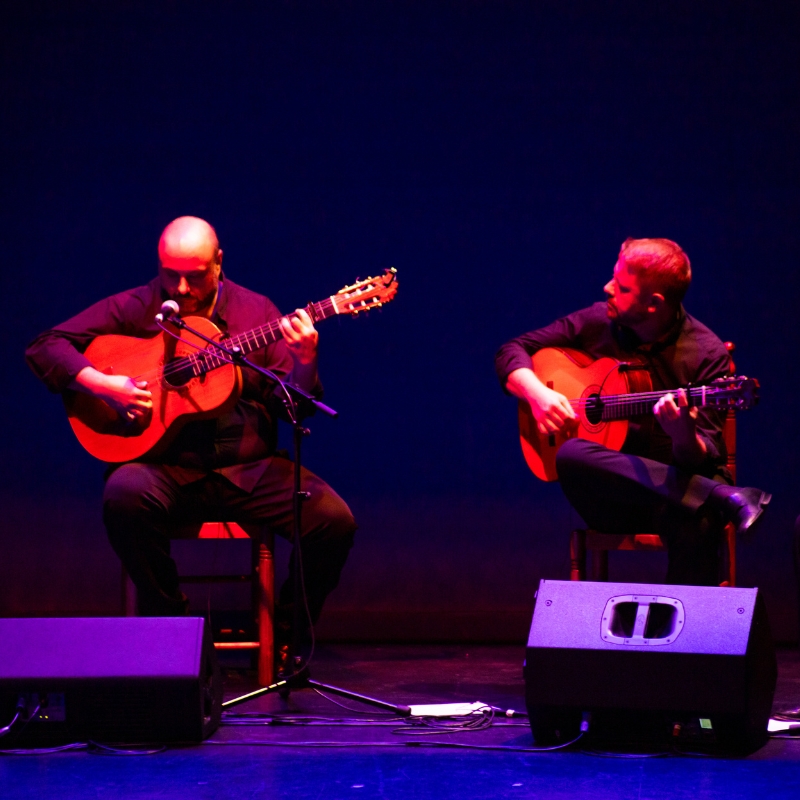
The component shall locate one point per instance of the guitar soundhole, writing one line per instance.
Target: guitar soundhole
(594, 409)
(179, 372)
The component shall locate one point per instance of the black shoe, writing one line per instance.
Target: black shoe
(744, 507)
(284, 659)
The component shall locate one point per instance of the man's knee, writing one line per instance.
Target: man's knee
(572, 458)
(332, 515)
(340, 518)
(131, 490)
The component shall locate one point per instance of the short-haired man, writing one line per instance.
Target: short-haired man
(670, 479)
(222, 468)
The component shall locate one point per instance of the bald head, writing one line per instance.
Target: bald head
(190, 264)
(188, 238)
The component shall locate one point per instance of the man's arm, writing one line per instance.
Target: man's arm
(56, 356)
(302, 339)
(679, 422)
(711, 360)
(551, 410)
(127, 397)
(696, 433)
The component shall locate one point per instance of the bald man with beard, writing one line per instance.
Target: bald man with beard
(221, 468)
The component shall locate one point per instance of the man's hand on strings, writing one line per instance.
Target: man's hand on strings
(301, 336)
(129, 398)
(676, 416)
(552, 411)
(679, 421)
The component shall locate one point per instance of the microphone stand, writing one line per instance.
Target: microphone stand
(299, 404)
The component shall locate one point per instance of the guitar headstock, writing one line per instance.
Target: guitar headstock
(367, 294)
(737, 392)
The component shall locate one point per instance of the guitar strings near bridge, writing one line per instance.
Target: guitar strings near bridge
(642, 402)
(206, 360)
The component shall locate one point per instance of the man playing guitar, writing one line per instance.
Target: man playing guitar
(218, 466)
(669, 477)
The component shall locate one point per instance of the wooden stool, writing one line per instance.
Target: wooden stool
(261, 577)
(584, 542)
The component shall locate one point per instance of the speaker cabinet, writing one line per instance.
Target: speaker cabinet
(650, 663)
(111, 680)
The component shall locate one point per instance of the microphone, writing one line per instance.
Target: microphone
(169, 308)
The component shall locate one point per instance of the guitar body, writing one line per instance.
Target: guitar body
(176, 396)
(576, 375)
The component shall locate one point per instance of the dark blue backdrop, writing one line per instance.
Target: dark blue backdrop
(496, 154)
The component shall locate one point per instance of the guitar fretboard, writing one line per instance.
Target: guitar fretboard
(204, 361)
(622, 406)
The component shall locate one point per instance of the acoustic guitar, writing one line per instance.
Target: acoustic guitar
(188, 379)
(606, 394)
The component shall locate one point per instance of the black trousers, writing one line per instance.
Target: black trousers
(143, 505)
(620, 493)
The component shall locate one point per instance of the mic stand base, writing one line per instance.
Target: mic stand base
(302, 681)
(303, 404)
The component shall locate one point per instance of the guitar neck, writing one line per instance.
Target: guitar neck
(268, 334)
(355, 299)
(623, 406)
(255, 339)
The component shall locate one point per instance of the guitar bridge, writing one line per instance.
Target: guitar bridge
(551, 439)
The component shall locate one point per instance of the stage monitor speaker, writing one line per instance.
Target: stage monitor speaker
(110, 680)
(667, 665)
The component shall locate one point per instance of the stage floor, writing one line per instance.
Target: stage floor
(373, 754)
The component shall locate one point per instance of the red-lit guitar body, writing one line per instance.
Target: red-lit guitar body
(179, 395)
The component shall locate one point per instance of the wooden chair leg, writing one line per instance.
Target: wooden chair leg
(730, 541)
(600, 565)
(266, 611)
(577, 555)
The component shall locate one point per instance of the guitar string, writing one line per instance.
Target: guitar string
(621, 401)
(192, 360)
(625, 402)
(272, 327)
(321, 310)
